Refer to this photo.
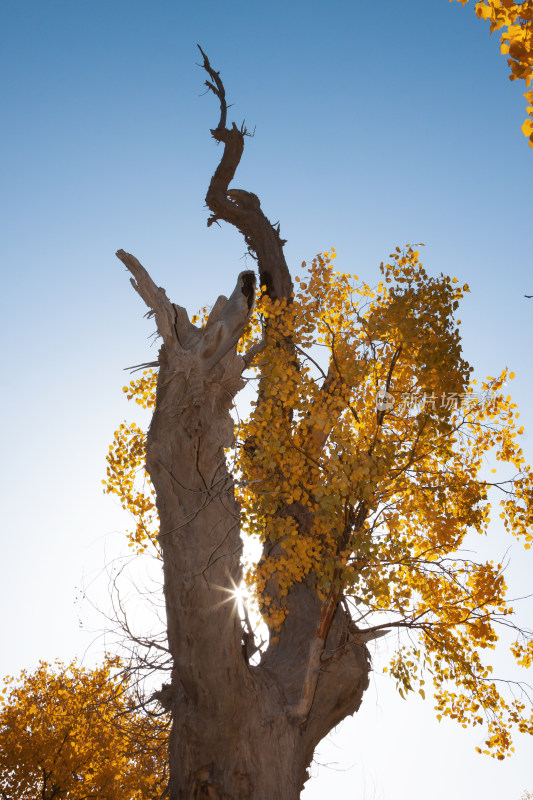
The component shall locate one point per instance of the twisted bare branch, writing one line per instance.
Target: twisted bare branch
(241, 208)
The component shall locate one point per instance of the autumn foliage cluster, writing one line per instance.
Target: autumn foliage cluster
(370, 433)
(72, 733)
(515, 21)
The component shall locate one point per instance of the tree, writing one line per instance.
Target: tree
(516, 22)
(68, 732)
(361, 470)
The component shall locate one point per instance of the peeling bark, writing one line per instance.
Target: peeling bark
(239, 732)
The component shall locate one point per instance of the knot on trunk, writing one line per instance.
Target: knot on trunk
(205, 788)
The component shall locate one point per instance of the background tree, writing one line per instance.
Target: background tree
(361, 469)
(515, 20)
(68, 732)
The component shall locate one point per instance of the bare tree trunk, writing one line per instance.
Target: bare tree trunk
(239, 732)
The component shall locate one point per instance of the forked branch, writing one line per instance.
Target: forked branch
(224, 327)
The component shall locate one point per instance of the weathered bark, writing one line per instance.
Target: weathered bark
(239, 732)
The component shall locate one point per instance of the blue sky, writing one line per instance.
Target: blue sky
(375, 125)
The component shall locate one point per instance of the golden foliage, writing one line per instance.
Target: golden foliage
(364, 465)
(126, 473)
(69, 732)
(515, 20)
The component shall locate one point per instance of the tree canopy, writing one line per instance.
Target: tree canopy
(75, 733)
(368, 457)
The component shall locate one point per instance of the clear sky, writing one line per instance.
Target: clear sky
(376, 125)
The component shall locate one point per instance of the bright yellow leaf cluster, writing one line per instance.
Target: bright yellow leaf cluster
(69, 732)
(363, 466)
(516, 22)
(126, 472)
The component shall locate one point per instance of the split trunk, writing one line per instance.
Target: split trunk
(239, 731)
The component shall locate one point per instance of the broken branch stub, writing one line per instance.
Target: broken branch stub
(224, 326)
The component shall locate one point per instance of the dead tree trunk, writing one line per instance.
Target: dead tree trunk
(239, 732)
